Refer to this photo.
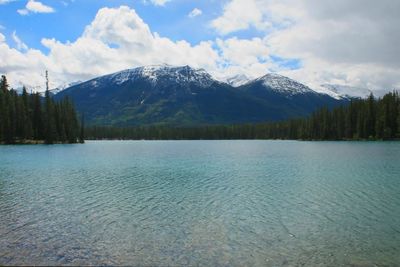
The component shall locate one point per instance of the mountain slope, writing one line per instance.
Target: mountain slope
(180, 96)
(298, 99)
(344, 91)
(237, 80)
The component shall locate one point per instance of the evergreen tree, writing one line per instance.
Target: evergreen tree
(370, 117)
(397, 100)
(37, 117)
(30, 117)
(50, 133)
(27, 122)
(82, 130)
(2, 115)
(362, 119)
(4, 84)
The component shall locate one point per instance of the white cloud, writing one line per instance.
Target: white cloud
(116, 39)
(238, 15)
(20, 44)
(347, 42)
(22, 67)
(157, 2)
(356, 47)
(264, 15)
(23, 12)
(244, 56)
(38, 7)
(350, 43)
(35, 7)
(2, 2)
(195, 12)
(2, 38)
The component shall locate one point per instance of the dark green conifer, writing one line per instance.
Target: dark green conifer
(82, 130)
(29, 116)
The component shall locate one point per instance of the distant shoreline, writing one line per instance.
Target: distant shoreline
(34, 142)
(42, 142)
(254, 139)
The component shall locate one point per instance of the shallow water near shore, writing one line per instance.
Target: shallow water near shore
(223, 203)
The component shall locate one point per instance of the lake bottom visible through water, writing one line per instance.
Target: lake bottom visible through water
(218, 203)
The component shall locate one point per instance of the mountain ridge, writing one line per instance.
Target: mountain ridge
(181, 95)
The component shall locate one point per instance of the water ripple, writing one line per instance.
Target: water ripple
(227, 203)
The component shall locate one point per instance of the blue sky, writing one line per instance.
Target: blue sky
(346, 43)
(71, 17)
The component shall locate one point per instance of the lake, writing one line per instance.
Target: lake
(221, 203)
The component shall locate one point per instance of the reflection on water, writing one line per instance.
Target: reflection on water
(265, 203)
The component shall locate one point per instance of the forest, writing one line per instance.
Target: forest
(30, 118)
(361, 119)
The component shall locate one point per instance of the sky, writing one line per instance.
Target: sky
(350, 43)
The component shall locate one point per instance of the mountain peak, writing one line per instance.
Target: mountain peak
(282, 84)
(345, 91)
(237, 80)
(164, 73)
(273, 75)
(182, 95)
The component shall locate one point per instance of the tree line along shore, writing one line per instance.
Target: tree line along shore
(29, 118)
(361, 119)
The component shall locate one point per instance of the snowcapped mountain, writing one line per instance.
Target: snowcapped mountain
(288, 94)
(63, 87)
(60, 88)
(344, 91)
(237, 80)
(282, 85)
(53, 91)
(160, 73)
(183, 96)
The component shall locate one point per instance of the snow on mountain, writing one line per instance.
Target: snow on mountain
(331, 92)
(64, 86)
(237, 80)
(28, 89)
(53, 91)
(60, 88)
(284, 85)
(344, 91)
(164, 73)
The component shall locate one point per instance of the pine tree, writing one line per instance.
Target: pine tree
(2, 115)
(4, 84)
(398, 117)
(4, 110)
(370, 117)
(10, 118)
(50, 132)
(82, 130)
(27, 122)
(37, 117)
(27, 116)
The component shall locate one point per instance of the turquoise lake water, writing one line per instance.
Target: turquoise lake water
(219, 203)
